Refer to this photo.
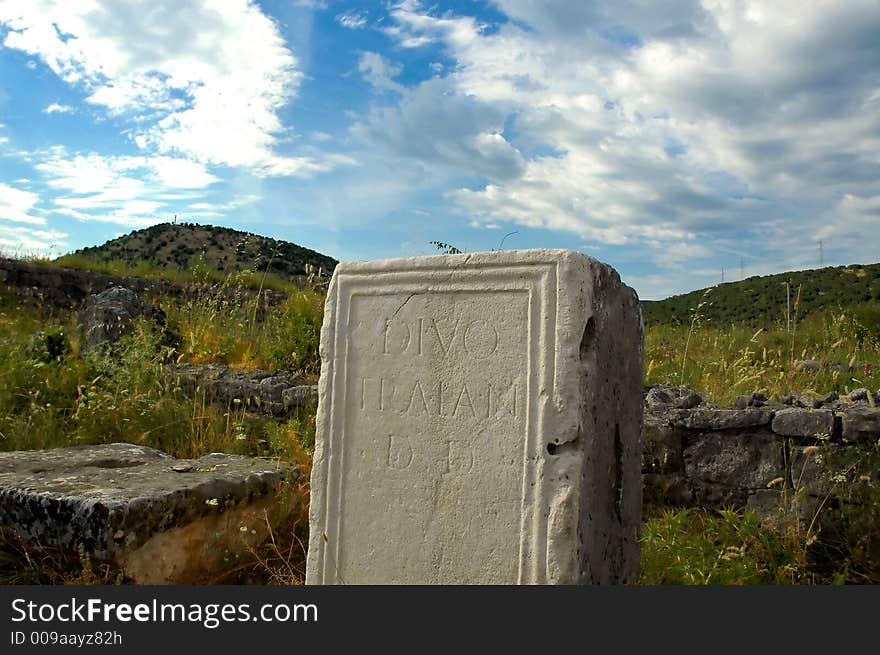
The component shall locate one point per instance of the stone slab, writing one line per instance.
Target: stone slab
(159, 518)
(796, 422)
(478, 422)
(743, 460)
(720, 419)
(861, 424)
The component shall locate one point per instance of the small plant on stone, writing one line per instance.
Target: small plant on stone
(445, 248)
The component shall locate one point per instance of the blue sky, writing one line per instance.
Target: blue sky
(668, 143)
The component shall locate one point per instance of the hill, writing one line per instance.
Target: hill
(761, 300)
(222, 249)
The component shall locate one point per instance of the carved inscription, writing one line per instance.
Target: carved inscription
(458, 458)
(436, 387)
(455, 337)
(400, 454)
(413, 397)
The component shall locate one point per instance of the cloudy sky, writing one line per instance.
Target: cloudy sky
(670, 139)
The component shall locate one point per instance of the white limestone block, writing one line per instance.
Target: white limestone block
(479, 422)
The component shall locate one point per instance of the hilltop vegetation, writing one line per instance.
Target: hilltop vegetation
(760, 301)
(217, 251)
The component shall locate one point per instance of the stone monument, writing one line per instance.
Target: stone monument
(478, 422)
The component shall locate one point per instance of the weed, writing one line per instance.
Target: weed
(727, 361)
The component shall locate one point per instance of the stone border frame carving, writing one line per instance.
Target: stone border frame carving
(538, 278)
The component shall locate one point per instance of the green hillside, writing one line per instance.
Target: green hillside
(183, 246)
(761, 300)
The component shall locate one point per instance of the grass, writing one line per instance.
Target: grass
(837, 541)
(60, 396)
(217, 330)
(727, 547)
(85, 398)
(725, 361)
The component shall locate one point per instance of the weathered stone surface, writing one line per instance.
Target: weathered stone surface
(719, 473)
(260, 391)
(795, 422)
(861, 424)
(821, 475)
(664, 396)
(756, 399)
(108, 316)
(768, 504)
(478, 422)
(661, 445)
(810, 399)
(658, 398)
(667, 489)
(814, 466)
(809, 365)
(860, 394)
(720, 419)
(160, 519)
(299, 396)
(741, 460)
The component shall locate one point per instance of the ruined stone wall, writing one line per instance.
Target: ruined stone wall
(756, 454)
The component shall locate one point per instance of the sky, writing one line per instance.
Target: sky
(679, 141)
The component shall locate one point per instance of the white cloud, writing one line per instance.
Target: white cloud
(440, 127)
(121, 189)
(353, 20)
(94, 173)
(17, 205)
(415, 28)
(380, 72)
(199, 80)
(673, 255)
(56, 108)
(25, 241)
(209, 209)
(670, 132)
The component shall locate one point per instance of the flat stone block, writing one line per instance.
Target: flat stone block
(162, 520)
(478, 423)
(861, 424)
(742, 461)
(299, 396)
(796, 422)
(720, 419)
